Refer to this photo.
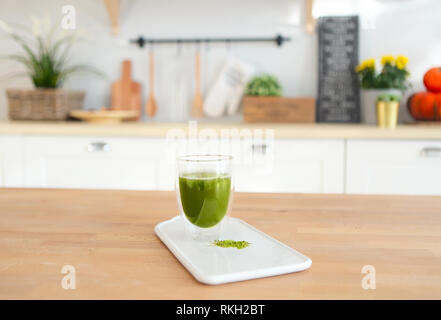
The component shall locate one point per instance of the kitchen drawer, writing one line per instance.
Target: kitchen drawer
(92, 162)
(11, 161)
(276, 165)
(393, 167)
(284, 165)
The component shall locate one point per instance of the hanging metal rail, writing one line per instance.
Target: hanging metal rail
(141, 41)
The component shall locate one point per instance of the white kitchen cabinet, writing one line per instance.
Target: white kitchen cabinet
(289, 165)
(11, 161)
(270, 165)
(92, 162)
(393, 167)
(309, 166)
(265, 165)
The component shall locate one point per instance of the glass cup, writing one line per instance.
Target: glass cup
(204, 189)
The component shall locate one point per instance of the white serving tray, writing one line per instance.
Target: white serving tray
(213, 265)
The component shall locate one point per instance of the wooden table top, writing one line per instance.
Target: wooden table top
(108, 237)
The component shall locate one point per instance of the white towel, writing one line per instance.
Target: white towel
(228, 88)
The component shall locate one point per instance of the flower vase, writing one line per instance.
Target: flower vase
(369, 101)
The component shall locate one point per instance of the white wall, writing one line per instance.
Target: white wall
(410, 27)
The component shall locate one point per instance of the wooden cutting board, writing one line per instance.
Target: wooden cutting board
(126, 93)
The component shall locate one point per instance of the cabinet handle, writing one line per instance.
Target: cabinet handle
(431, 152)
(259, 148)
(98, 147)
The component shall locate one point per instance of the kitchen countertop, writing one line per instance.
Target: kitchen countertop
(160, 129)
(108, 237)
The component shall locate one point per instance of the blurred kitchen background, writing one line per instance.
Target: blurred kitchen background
(337, 151)
(394, 27)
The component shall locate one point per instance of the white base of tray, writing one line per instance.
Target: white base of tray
(213, 265)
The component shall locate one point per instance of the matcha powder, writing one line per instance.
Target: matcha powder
(231, 244)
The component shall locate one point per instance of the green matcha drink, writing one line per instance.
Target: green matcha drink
(205, 197)
(204, 189)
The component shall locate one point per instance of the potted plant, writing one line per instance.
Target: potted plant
(45, 58)
(263, 102)
(387, 110)
(392, 79)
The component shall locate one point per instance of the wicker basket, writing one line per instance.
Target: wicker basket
(43, 104)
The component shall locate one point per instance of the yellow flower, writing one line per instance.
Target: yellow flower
(359, 68)
(401, 62)
(370, 63)
(366, 64)
(387, 59)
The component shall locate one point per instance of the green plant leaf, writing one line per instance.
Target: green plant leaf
(46, 60)
(263, 85)
(389, 77)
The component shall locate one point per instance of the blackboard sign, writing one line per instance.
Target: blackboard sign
(338, 89)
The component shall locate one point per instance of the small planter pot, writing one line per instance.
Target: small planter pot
(387, 114)
(369, 100)
(43, 104)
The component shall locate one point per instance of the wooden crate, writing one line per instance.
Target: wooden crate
(279, 109)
